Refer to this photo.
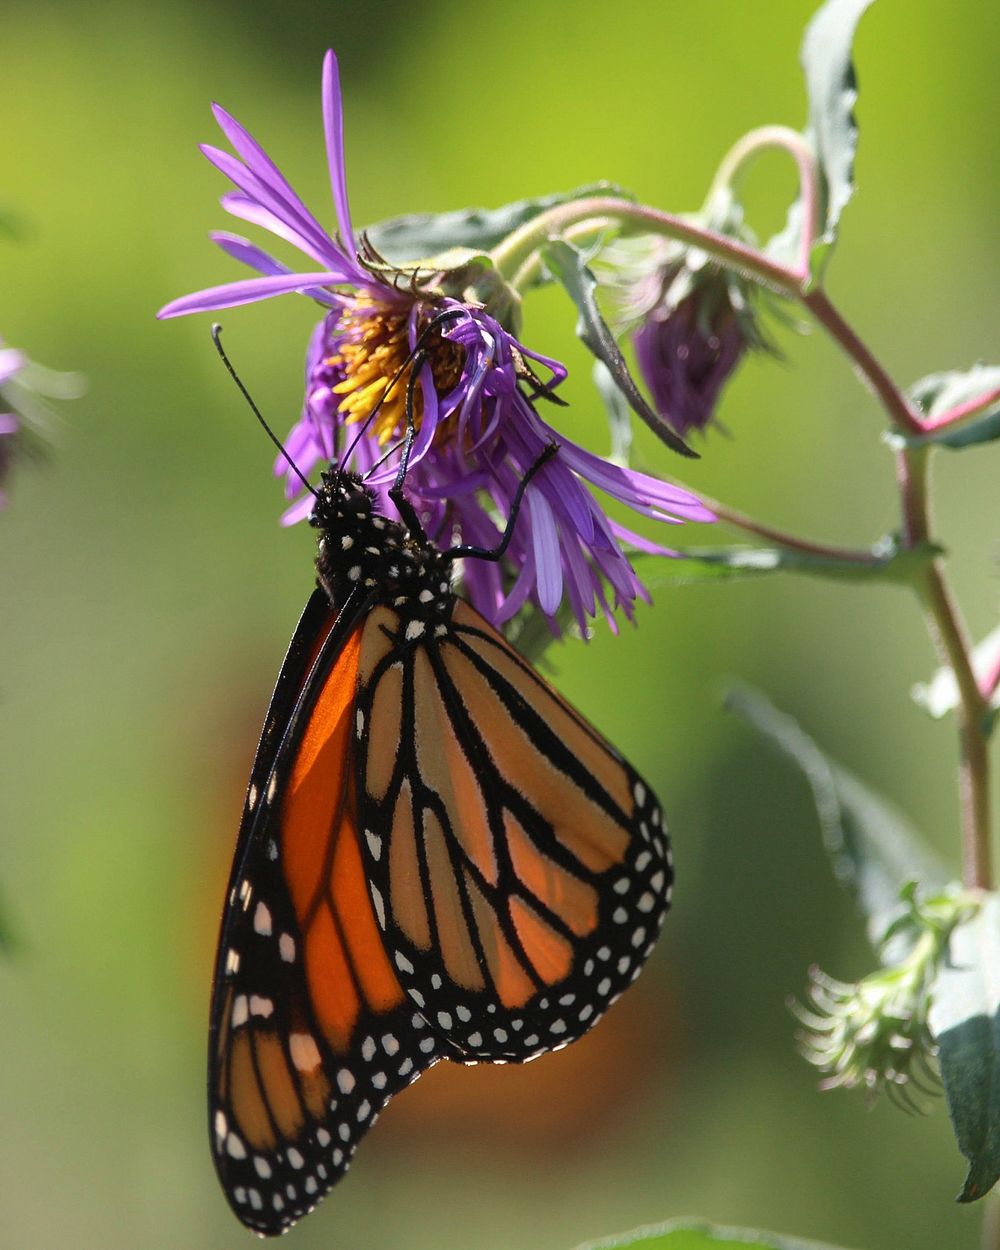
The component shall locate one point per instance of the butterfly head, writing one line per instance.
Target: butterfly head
(359, 547)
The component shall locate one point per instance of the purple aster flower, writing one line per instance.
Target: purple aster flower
(475, 400)
(24, 416)
(11, 364)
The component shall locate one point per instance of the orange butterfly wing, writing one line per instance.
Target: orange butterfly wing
(311, 1032)
(519, 865)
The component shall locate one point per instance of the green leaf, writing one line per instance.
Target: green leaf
(419, 235)
(569, 266)
(965, 1022)
(939, 392)
(831, 131)
(873, 848)
(696, 1235)
(713, 564)
(940, 695)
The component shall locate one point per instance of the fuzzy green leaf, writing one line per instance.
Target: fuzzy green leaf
(713, 564)
(965, 1022)
(420, 235)
(939, 392)
(831, 131)
(873, 848)
(568, 265)
(696, 1235)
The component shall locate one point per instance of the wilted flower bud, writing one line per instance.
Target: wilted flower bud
(874, 1034)
(691, 319)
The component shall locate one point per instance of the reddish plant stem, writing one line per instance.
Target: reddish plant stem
(948, 633)
(903, 414)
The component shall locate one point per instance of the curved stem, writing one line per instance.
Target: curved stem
(519, 253)
(948, 632)
(732, 168)
(843, 555)
(902, 413)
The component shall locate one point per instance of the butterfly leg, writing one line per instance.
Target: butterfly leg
(496, 553)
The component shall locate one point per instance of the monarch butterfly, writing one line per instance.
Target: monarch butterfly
(438, 859)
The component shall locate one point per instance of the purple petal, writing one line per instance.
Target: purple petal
(545, 540)
(298, 511)
(241, 205)
(9, 423)
(640, 491)
(264, 169)
(294, 212)
(333, 128)
(11, 361)
(247, 253)
(231, 294)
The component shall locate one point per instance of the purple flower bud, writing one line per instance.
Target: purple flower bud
(687, 349)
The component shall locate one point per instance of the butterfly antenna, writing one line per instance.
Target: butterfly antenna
(217, 340)
(442, 318)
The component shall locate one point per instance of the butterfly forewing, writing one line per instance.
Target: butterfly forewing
(312, 1032)
(520, 867)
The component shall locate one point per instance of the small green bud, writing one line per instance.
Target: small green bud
(873, 1034)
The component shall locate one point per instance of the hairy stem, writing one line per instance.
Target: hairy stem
(518, 257)
(734, 163)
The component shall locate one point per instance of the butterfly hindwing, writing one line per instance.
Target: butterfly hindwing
(520, 868)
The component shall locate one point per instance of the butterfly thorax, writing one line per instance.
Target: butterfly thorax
(359, 549)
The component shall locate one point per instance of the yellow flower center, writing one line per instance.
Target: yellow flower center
(373, 356)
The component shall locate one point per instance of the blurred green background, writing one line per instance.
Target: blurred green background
(149, 593)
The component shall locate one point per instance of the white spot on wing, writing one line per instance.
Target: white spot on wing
(262, 920)
(304, 1051)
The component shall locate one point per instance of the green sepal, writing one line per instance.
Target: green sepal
(890, 562)
(873, 849)
(568, 265)
(939, 392)
(965, 1023)
(696, 1235)
(409, 238)
(831, 130)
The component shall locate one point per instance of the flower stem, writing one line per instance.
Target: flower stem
(740, 520)
(902, 413)
(518, 257)
(947, 630)
(732, 168)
